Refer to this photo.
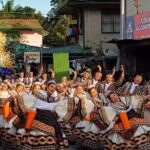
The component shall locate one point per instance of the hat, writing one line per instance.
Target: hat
(6, 82)
(51, 82)
(36, 83)
(20, 83)
(77, 84)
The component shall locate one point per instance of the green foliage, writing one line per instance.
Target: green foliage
(56, 26)
(8, 7)
(54, 2)
(12, 40)
(26, 12)
(56, 29)
(98, 51)
(9, 11)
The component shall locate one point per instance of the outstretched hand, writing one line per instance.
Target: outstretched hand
(99, 68)
(122, 68)
(113, 70)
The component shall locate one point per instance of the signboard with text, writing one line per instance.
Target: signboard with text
(138, 26)
(32, 57)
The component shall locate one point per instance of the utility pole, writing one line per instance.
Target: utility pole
(122, 25)
(137, 4)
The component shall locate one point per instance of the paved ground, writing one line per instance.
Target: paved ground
(73, 147)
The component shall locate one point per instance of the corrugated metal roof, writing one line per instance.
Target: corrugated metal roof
(130, 42)
(72, 49)
(20, 24)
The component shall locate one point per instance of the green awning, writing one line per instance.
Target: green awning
(71, 49)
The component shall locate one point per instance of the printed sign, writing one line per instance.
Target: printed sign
(130, 27)
(32, 57)
(142, 26)
(138, 26)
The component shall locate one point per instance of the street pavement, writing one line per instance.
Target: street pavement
(72, 147)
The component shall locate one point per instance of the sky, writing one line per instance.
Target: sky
(39, 5)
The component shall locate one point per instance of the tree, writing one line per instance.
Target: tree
(7, 9)
(10, 12)
(5, 56)
(26, 12)
(16, 12)
(56, 26)
(54, 3)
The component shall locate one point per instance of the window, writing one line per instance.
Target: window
(110, 21)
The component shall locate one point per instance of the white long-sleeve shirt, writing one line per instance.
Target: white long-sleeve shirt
(44, 105)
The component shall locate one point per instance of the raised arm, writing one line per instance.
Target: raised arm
(53, 74)
(121, 79)
(99, 68)
(113, 70)
(122, 72)
(75, 75)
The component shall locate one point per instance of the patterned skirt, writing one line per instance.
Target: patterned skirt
(42, 136)
(72, 134)
(89, 140)
(141, 141)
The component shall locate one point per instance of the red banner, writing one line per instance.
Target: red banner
(142, 26)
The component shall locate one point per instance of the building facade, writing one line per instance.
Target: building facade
(98, 21)
(137, 6)
(24, 31)
(29, 31)
(134, 49)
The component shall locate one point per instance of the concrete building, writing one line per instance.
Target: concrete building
(131, 7)
(98, 21)
(29, 31)
(134, 49)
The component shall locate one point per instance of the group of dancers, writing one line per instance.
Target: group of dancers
(91, 111)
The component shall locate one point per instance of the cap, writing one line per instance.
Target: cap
(77, 84)
(20, 83)
(36, 83)
(51, 82)
(6, 82)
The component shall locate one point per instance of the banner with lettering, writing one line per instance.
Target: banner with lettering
(32, 57)
(138, 26)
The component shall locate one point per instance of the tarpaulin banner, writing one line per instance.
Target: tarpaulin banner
(61, 65)
(138, 26)
(32, 57)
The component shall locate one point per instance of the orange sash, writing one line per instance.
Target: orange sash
(30, 118)
(6, 110)
(125, 121)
